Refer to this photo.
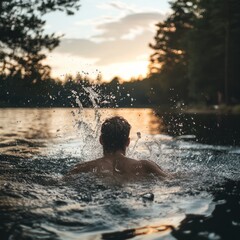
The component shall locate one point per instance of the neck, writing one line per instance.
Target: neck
(115, 153)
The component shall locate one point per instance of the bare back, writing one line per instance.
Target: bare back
(121, 167)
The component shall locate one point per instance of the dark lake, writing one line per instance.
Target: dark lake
(217, 129)
(38, 146)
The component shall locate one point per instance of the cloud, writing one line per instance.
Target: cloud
(126, 24)
(107, 52)
(118, 5)
(95, 21)
(121, 6)
(121, 41)
(133, 33)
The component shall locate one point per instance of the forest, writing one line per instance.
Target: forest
(194, 60)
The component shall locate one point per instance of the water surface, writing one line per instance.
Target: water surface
(38, 146)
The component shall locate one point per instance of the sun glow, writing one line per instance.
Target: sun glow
(126, 70)
(63, 64)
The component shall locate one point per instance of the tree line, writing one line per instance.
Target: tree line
(194, 60)
(197, 50)
(75, 91)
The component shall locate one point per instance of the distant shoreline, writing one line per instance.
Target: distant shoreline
(192, 109)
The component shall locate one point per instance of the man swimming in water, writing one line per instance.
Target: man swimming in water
(114, 140)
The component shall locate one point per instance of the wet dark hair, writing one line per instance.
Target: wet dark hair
(115, 132)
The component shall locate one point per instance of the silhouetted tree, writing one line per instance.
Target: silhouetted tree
(169, 62)
(215, 51)
(196, 52)
(22, 37)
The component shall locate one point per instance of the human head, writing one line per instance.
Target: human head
(115, 134)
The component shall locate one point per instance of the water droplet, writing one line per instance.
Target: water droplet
(148, 196)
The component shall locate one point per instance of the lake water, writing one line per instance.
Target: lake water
(38, 146)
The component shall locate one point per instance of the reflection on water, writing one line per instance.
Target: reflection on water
(37, 131)
(38, 146)
(223, 223)
(130, 233)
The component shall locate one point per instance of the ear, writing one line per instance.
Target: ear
(128, 142)
(100, 140)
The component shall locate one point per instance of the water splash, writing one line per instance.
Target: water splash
(131, 152)
(87, 207)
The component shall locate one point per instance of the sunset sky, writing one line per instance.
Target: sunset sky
(107, 37)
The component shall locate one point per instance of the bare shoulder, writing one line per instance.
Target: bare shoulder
(85, 166)
(149, 163)
(146, 164)
(152, 167)
(130, 162)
